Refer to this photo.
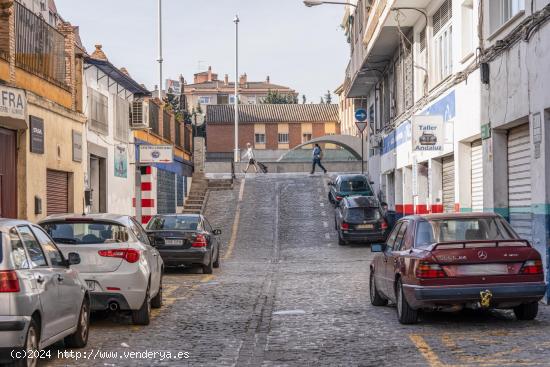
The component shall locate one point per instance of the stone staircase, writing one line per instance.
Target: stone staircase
(199, 192)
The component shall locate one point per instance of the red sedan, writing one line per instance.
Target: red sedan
(447, 262)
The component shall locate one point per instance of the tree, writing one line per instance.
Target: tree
(175, 104)
(304, 99)
(274, 97)
(322, 101)
(328, 97)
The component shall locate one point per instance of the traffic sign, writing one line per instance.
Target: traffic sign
(361, 126)
(361, 115)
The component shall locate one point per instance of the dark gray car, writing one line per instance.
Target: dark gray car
(42, 298)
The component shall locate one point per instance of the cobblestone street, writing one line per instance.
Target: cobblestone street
(287, 295)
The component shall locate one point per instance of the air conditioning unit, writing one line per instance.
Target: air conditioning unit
(139, 115)
(376, 141)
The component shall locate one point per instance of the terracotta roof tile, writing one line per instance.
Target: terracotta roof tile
(273, 113)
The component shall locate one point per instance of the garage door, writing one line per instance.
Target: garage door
(57, 193)
(519, 180)
(448, 184)
(8, 174)
(477, 176)
(166, 192)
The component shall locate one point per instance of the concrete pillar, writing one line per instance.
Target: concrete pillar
(463, 176)
(435, 172)
(398, 184)
(199, 154)
(407, 191)
(495, 173)
(390, 190)
(421, 204)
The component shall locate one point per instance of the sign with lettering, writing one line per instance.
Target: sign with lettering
(427, 133)
(156, 154)
(13, 103)
(37, 135)
(77, 146)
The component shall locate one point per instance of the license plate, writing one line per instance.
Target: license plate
(173, 242)
(365, 226)
(91, 285)
(482, 269)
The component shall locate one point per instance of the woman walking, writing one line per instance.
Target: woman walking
(251, 158)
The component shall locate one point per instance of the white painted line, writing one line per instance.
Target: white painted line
(322, 205)
(327, 236)
(290, 312)
(325, 224)
(324, 214)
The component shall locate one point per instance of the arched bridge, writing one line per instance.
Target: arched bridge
(348, 142)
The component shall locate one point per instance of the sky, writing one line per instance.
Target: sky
(300, 47)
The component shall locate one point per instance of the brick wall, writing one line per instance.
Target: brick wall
(221, 138)
(318, 130)
(294, 135)
(271, 136)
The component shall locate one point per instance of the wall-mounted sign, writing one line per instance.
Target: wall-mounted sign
(37, 135)
(121, 161)
(427, 133)
(156, 154)
(77, 146)
(13, 106)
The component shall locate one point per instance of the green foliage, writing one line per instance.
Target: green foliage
(328, 97)
(274, 97)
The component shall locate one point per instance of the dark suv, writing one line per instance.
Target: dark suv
(349, 185)
(359, 219)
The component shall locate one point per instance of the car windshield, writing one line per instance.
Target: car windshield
(173, 222)
(470, 229)
(363, 214)
(356, 186)
(86, 233)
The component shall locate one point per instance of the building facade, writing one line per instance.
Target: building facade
(272, 129)
(42, 126)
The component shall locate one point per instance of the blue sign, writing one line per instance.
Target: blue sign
(361, 115)
(444, 107)
(403, 133)
(389, 143)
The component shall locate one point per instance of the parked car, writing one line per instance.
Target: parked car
(122, 270)
(185, 239)
(453, 261)
(349, 185)
(42, 298)
(359, 219)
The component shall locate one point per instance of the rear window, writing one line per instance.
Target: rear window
(470, 229)
(363, 214)
(86, 233)
(356, 186)
(171, 223)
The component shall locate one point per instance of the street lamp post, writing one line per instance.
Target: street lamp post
(236, 157)
(160, 60)
(310, 3)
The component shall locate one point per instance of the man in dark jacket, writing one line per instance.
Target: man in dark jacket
(317, 156)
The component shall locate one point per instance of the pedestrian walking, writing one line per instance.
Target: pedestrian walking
(249, 154)
(317, 156)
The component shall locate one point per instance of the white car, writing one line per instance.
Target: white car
(122, 270)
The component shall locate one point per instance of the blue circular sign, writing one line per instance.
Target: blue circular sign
(155, 154)
(361, 115)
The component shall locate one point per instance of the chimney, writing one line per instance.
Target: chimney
(226, 79)
(267, 79)
(98, 53)
(210, 73)
(242, 79)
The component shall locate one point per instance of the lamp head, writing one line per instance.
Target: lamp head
(310, 3)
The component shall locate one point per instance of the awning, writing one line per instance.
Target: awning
(118, 76)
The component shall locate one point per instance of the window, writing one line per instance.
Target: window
(232, 99)
(359, 215)
(306, 137)
(503, 10)
(204, 100)
(400, 239)
(33, 247)
(122, 119)
(391, 239)
(173, 222)
(99, 105)
(356, 186)
(422, 39)
(83, 233)
(259, 138)
(139, 231)
(467, 28)
(17, 254)
(442, 42)
(55, 256)
(283, 138)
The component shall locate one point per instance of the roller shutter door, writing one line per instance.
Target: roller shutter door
(166, 192)
(57, 192)
(448, 184)
(8, 174)
(519, 180)
(477, 176)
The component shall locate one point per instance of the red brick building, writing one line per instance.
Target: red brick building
(272, 129)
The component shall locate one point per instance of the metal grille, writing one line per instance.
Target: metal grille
(57, 192)
(39, 48)
(442, 16)
(187, 139)
(98, 104)
(477, 176)
(422, 36)
(166, 192)
(448, 184)
(177, 138)
(180, 189)
(154, 118)
(166, 125)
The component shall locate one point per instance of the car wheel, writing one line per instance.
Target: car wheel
(80, 337)
(156, 301)
(405, 313)
(143, 315)
(208, 269)
(31, 343)
(217, 262)
(375, 298)
(341, 242)
(527, 311)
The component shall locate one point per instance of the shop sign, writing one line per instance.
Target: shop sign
(121, 161)
(427, 133)
(37, 135)
(13, 103)
(156, 154)
(77, 146)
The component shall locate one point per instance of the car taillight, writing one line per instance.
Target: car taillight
(344, 225)
(532, 267)
(429, 270)
(200, 241)
(130, 255)
(339, 198)
(9, 283)
(384, 225)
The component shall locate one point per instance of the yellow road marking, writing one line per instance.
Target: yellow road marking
(231, 245)
(429, 355)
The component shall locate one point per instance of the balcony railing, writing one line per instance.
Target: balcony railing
(4, 35)
(39, 47)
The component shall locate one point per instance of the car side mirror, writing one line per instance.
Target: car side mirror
(377, 247)
(217, 232)
(329, 184)
(74, 258)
